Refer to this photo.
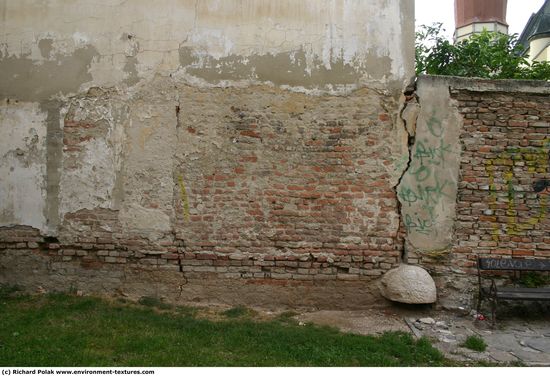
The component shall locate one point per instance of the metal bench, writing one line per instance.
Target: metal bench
(494, 293)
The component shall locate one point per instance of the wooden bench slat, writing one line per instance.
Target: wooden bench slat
(542, 290)
(522, 295)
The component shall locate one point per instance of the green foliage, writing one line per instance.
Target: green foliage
(64, 330)
(534, 280)
(538, 71)
(475, 343)
(484, 55)
(7, 291)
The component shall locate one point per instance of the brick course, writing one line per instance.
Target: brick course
(506, 147)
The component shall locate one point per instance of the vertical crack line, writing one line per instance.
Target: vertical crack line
(410, 92)
(177, 178)
(184, 277)
(178, 121)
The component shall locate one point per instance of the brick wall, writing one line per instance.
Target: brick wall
(268, 189)
(477, 148)
(274, 197)
(505, 149)
(194, 155)
(299, 190)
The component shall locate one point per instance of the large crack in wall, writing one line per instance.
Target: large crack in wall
(408, 115)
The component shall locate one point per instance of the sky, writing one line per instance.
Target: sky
(429, 11)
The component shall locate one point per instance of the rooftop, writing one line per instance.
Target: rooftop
(538, 25)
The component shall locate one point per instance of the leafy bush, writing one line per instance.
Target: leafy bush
(7, 291)
(484, 55)
(475, 343)
(534, 280)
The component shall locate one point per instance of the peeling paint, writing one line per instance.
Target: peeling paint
(26, 80)
(288, 68)
(311, 43)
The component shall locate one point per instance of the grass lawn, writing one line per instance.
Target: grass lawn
(65, 330)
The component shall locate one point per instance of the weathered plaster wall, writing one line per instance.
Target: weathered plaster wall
(314, 44)
(252, 189)
(52, 52)
(253, 152)
(93, 138)
(240, 151)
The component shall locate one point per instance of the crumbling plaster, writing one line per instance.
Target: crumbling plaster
(92, 158)
(202, 149)
(55, 55)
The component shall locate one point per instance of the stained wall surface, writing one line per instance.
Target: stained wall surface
(310, 44)
(254, 152)
(240, 151)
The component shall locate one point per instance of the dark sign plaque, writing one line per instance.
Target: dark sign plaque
(514, 264)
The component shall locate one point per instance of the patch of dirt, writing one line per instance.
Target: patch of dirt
(366, 322)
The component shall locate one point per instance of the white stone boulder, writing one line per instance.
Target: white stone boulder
(408, 284)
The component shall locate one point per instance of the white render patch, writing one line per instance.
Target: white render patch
(91, 182)
(91, 185)
(137, 217)
(339, 32)
(22, 165)
(80, 39)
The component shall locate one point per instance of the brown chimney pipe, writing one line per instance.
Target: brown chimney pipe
(471, 11)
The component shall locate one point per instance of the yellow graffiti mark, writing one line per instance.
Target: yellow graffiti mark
(511, 229)
(536, 161)
(184, 199)
(493, 202)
